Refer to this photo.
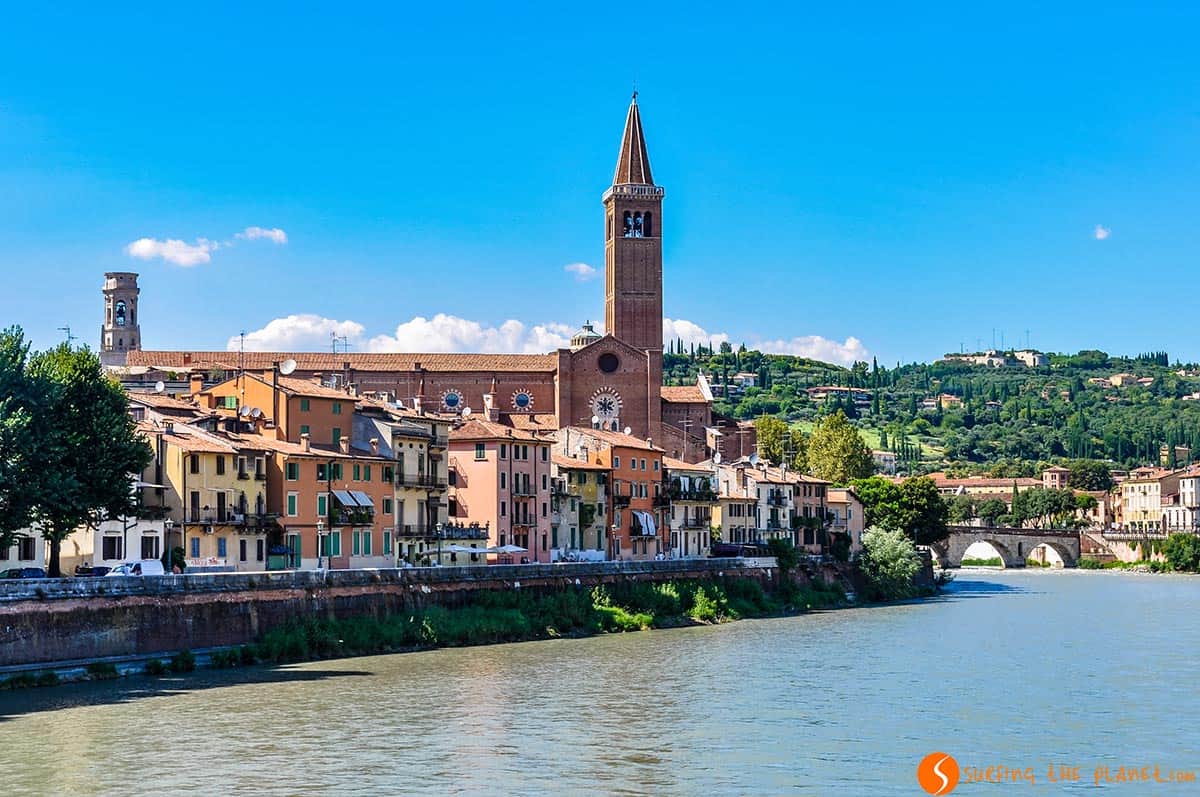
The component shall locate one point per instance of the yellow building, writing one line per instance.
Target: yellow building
(216, 499)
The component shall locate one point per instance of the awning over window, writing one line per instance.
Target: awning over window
(345, 498)
(362, 498)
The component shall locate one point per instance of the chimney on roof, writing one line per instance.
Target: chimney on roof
(305, 442)
(196, 383)
(344, 444)
(375, 446)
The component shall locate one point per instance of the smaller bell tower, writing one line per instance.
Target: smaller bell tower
(120, 333)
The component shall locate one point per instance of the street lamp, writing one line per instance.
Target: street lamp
(167, 526)
(320, 533)
(441, 531)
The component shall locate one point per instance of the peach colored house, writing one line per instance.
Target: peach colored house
(500, 479)
(637, 490)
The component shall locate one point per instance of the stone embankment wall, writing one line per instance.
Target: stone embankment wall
(56, 620)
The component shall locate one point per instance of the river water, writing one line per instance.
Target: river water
(1021, 669)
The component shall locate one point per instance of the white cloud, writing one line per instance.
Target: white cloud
(582, 271)
(816, 347)
(173, 250)
(674, 329)
(184, 254)
(448, 333)
(273, 234)
(812, 346)
(301, 332)
(1101, 232)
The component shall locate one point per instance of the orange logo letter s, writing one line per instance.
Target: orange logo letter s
(938, 773)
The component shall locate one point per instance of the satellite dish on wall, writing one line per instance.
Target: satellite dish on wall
(628, 430)
(754, 459)
(717, 458)
(595, 420)
(160, 386)
(287, 366)
(466, 413)
(256, 413)
(244, 412)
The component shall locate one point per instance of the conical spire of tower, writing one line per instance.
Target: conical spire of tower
(633, 164)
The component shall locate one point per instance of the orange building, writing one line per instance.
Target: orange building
(636, 489)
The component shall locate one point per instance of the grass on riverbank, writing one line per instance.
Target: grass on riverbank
(994, 561)
(1153, 566)
(515, 616)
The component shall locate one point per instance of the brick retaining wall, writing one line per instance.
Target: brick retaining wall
(51, 620)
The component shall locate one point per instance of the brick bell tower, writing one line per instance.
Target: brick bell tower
(633, 294)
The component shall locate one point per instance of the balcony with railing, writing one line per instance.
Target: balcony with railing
(620, 501)
(439, 441)
(425, 481)
(776, 499)
(691, 522)
(443, 531)
(521, 490)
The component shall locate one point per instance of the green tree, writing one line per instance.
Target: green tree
(890, 563)
(1089, 474)
(961, 508)
(20, 444)
(914, 507)
(92, 447)
(836, 451)
(1182, 552)
(779, 443)
(926, 512)
(990, 510)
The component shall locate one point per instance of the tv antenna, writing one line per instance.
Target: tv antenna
(336, 340)
(70, 337)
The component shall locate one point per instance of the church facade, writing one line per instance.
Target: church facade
(612, 381)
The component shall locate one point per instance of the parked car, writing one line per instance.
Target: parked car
(23, 572)
(92, 571)
(143, 567)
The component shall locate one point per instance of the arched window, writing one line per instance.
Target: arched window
(647, 228)
(637, 225)
(628, 232)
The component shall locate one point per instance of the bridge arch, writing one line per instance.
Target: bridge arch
(1064, 554)
(1008, 556)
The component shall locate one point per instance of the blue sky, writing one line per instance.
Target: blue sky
(885, 180)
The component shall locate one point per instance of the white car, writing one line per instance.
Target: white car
(144, 567)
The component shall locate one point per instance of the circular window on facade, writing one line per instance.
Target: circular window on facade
(522, 400)
(452, 400)
(608, 362)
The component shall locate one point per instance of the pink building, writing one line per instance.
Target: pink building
(500, 476)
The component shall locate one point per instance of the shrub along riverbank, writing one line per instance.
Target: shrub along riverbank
(517, 616)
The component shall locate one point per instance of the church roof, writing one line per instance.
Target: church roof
(359, 361)
(687, 394)
(633, 163)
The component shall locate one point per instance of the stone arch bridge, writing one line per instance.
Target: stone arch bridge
(1013, 545)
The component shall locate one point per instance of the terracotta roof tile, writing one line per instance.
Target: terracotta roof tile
(616, 438)
(476, 429)
(328, 362)
(686, 394)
